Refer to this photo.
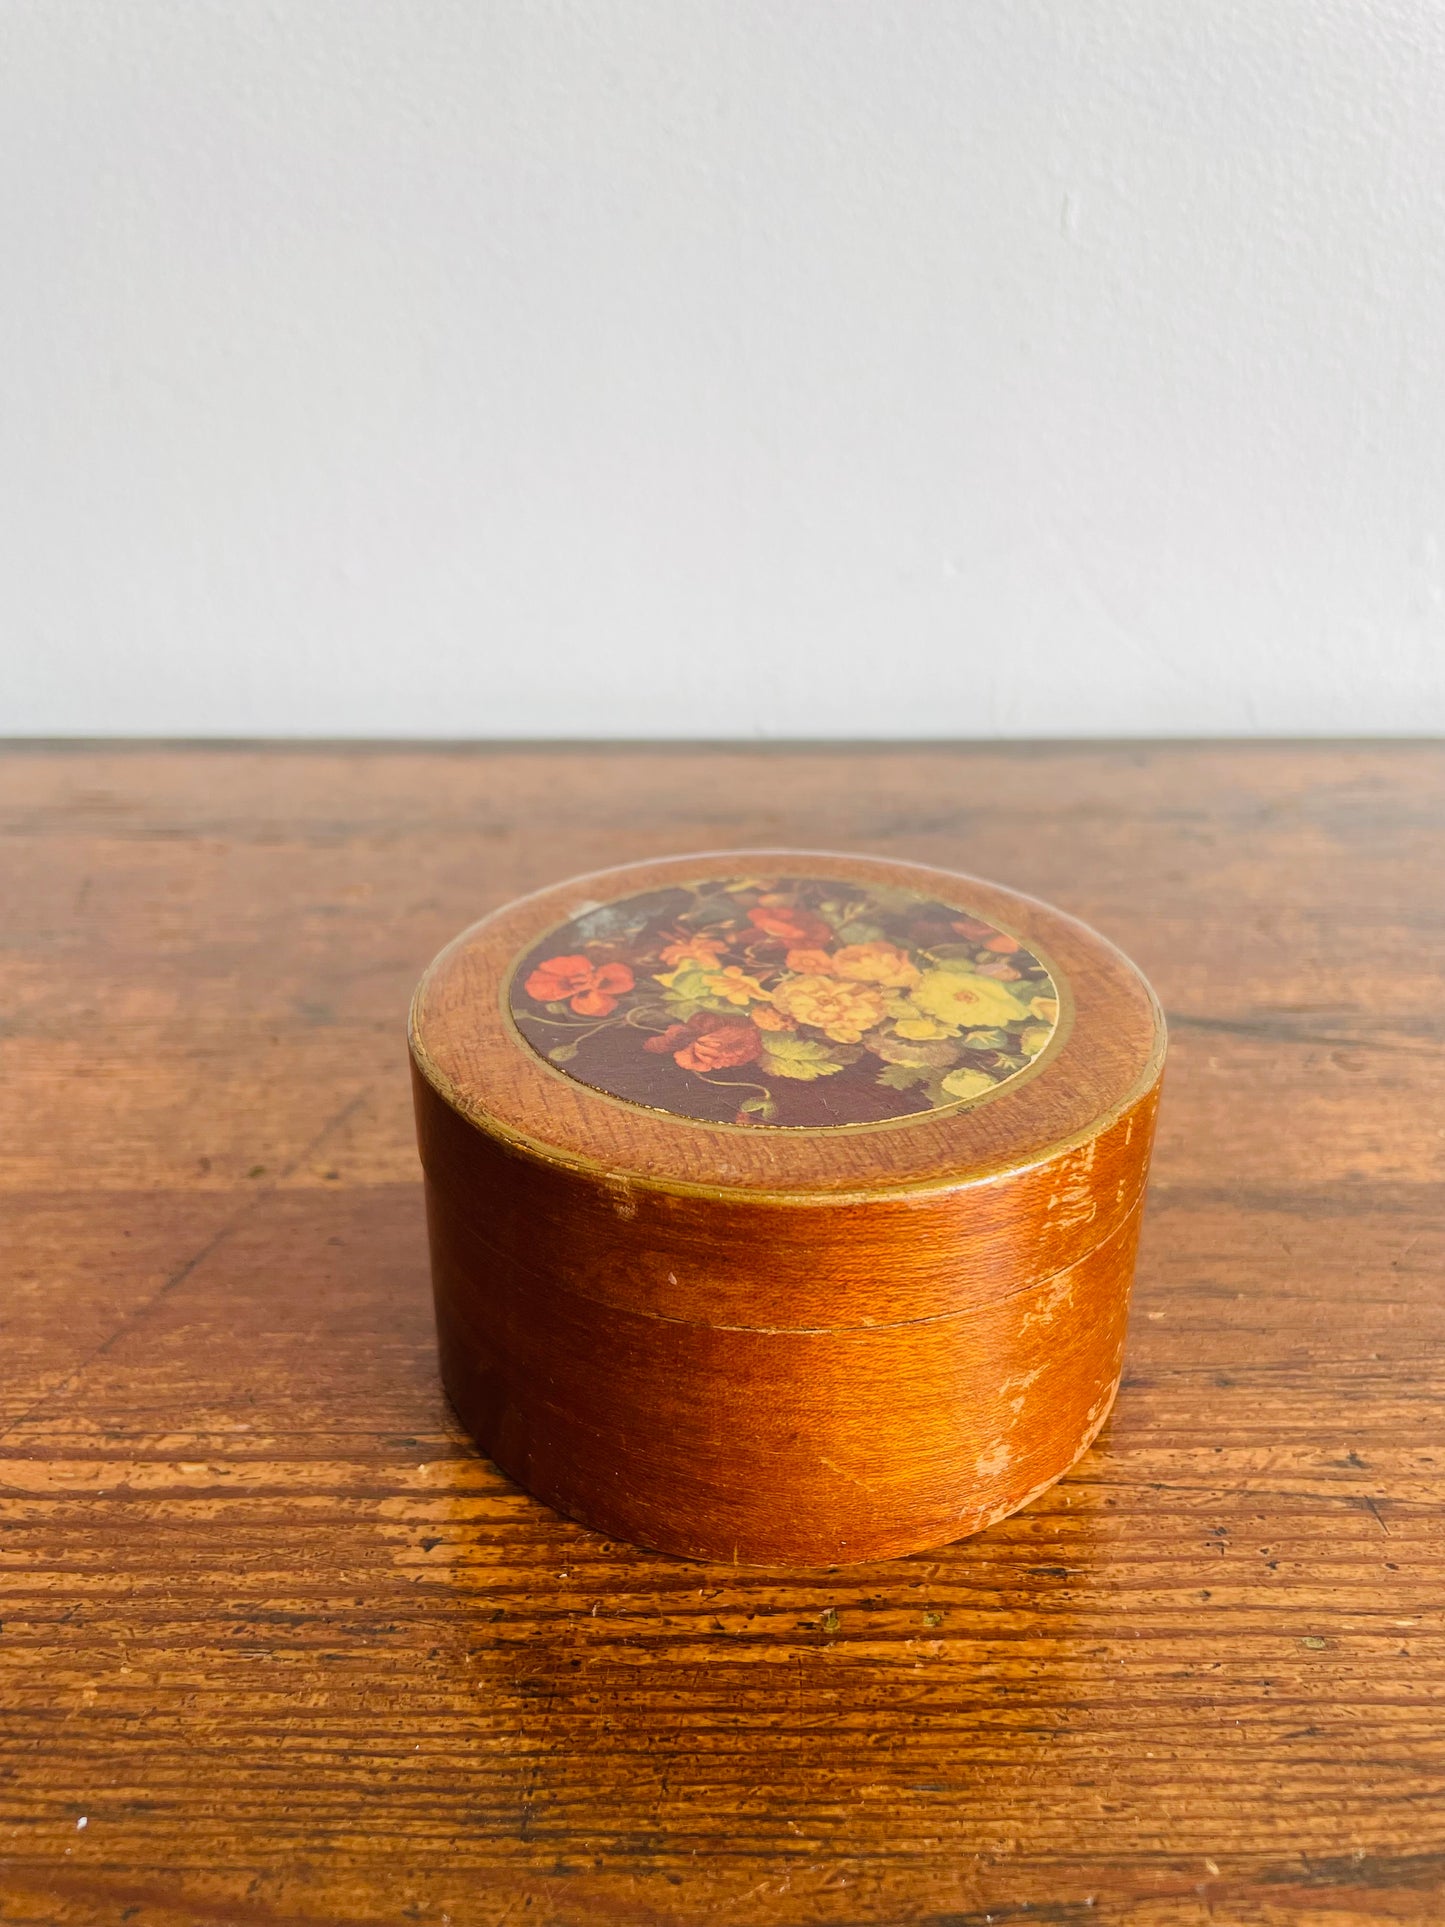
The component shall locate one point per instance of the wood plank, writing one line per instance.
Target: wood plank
(295, 1653)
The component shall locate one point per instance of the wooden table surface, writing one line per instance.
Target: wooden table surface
(279, 1647)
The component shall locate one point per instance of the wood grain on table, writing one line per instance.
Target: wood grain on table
(279, 1647)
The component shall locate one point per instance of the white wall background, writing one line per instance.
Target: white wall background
(719, 367)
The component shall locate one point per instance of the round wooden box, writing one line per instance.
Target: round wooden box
(783, 1206)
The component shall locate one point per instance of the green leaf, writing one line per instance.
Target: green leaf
(688, 993)
(892, 900)
(859, 932)
(798, 1057)
(686, 981)
(643, 1016)
(562, 1053)
(841, 910)
(966, 1083)
(902, 1077)
(935, 1052)
(787, 1043)
(952, 953)
(710, 911)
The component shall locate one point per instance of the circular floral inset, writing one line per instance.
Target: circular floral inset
(785, 1002)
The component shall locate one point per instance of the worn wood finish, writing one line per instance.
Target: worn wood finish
(297, 1654)
(754, 1345)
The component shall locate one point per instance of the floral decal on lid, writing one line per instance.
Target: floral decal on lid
(785, 1002)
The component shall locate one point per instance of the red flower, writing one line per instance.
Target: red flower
(717, 1050)
(796, 927)
(591, 989)
(708, 1042)
(559, 978)
(673, 1038)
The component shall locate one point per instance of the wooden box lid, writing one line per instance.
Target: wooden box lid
(935, 1091)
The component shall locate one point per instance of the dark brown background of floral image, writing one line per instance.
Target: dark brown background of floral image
(613, 1056)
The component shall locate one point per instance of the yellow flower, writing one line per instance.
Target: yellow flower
(876, 963)
(841, 1011)
(960, 1000)
(735, 986)
(1046, 1009)
(1034, 1039)
(918, 1027)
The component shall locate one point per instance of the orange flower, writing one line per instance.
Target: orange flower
(793, 926)
(876, 963)
(810, 963)
(703, 951)
(590, 989)
(766, 1018)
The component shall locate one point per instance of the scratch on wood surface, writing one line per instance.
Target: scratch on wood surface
(137, 1314)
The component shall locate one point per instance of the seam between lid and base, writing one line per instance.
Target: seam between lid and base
(861, 1326)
